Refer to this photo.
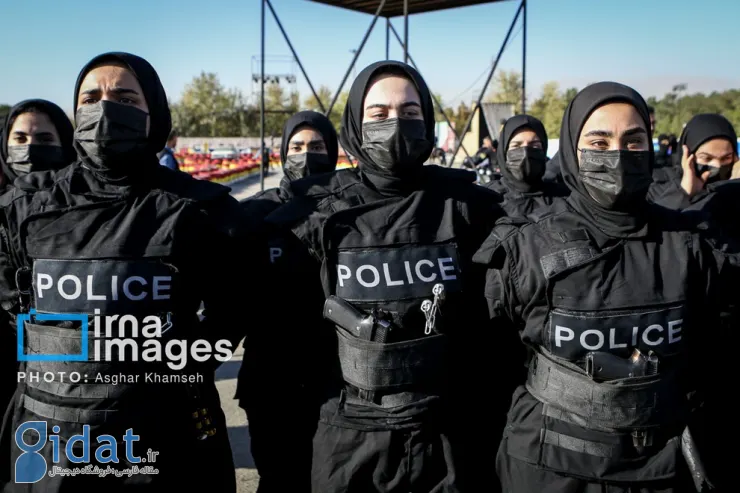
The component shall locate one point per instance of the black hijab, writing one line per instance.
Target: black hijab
(58, 118)
(613, 223)
(316, 121)
(351, 132)
(705, 127)
(160, 121)
(512, 125)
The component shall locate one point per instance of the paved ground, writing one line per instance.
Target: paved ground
(246, 474)
(251, 184)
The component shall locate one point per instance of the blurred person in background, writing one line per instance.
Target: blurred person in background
(522, 162)
(167, 156)
(708, 152)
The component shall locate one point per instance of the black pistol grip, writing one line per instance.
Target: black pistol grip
(343, 314)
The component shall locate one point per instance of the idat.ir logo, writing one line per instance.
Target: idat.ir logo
(31, 466)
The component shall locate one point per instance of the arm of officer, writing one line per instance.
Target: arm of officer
(230, 273)
(498, 255)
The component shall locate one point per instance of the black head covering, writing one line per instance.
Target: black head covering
(160, 120)
(351, 132)
(613, 223)
(57, 117)
(318, 122)
(512, 125)
(705, 127)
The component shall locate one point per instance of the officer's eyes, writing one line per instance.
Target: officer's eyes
(317, 147)
(599, 143)
(126, 101)
(89, 101)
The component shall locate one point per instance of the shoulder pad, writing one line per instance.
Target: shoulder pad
(324, 184)
(505, 227)
(185, 186)
(443, 173)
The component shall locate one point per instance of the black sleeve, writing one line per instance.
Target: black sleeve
(229, 270)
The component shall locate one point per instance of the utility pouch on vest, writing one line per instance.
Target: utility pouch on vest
(623, 405)
(377, 370)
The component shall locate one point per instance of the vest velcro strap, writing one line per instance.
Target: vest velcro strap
(376, 366)
(67, 414)
(557, 262)
(620, 405)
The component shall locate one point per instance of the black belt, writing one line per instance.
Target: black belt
(385, 400)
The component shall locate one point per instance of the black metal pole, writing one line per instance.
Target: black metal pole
(262, 99)
(405, 31)
(295, 55)
(434, 96)
(354, 59)
(387, 38)
(524, 56)
(488, 80)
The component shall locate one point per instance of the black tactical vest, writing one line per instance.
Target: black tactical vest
(92, 275)
(612, 372)
(396, 261)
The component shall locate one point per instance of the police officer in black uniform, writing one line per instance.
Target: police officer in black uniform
(116, 235)
(615, 299)
(275, 375)
(395, 241)
(523, 162)
(36, 135)
(708, 154)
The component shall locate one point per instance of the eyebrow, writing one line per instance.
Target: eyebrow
(114, 90)
(300, 142)
(610, 134)
(407, 104)
(712, 156)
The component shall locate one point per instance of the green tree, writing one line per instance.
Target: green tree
(207, 108)
(325, 94)
(507, 89)
(549, 108)
(4, 110)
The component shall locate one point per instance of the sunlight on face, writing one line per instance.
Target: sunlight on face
(716, 152)
(306, 139)
(115, 83)
(391, 96)
(615, 126)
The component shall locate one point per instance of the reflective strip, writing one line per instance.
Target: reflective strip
(66, 414)
(578, 445)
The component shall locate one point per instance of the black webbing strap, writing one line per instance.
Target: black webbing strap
(66, 414)
(624, 405)
(559, 261)
(375, 366)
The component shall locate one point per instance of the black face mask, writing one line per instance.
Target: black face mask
(527, 164)
(396, 144)
(616, 179)
(111, 133)
(716, 173)
(300, 166)
(35, 157)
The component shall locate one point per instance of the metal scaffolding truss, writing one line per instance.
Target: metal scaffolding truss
(389, 9)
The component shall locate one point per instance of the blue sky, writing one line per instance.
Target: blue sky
(650, 44)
